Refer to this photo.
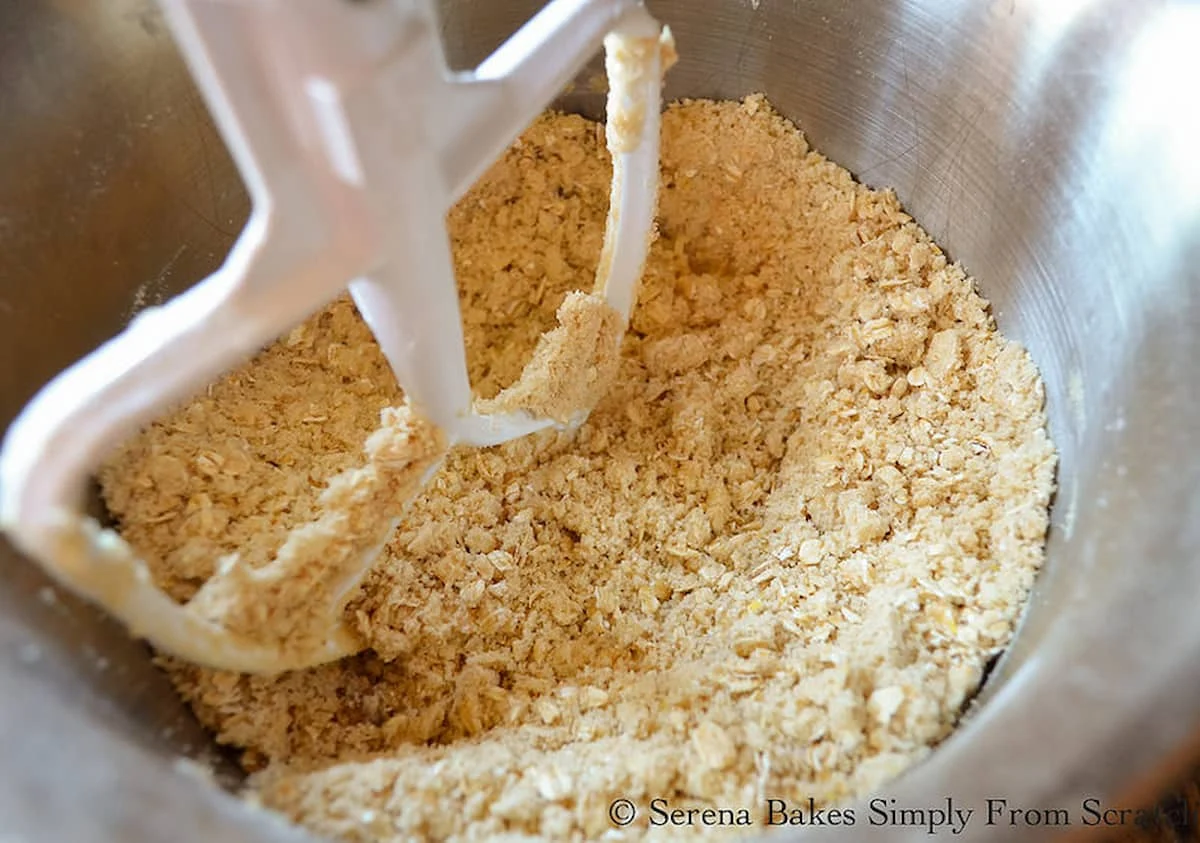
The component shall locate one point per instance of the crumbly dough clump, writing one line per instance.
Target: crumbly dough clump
(572, 367)
(773, 563)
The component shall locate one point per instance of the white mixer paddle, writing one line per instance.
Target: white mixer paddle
(353, 140)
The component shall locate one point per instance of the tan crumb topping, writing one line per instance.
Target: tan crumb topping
(773, 563)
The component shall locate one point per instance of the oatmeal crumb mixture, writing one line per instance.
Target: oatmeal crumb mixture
(773, 563)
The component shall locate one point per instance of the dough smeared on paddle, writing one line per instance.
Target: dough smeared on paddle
(298, 597)
(572, 366)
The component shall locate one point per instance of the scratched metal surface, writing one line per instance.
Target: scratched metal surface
(1042, 141)
(114, 190)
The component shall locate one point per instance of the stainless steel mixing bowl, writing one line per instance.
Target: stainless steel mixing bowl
(1051, 145)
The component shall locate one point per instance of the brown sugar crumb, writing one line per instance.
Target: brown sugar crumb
(773, 562)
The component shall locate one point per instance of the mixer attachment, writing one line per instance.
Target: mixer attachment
(354, 140)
